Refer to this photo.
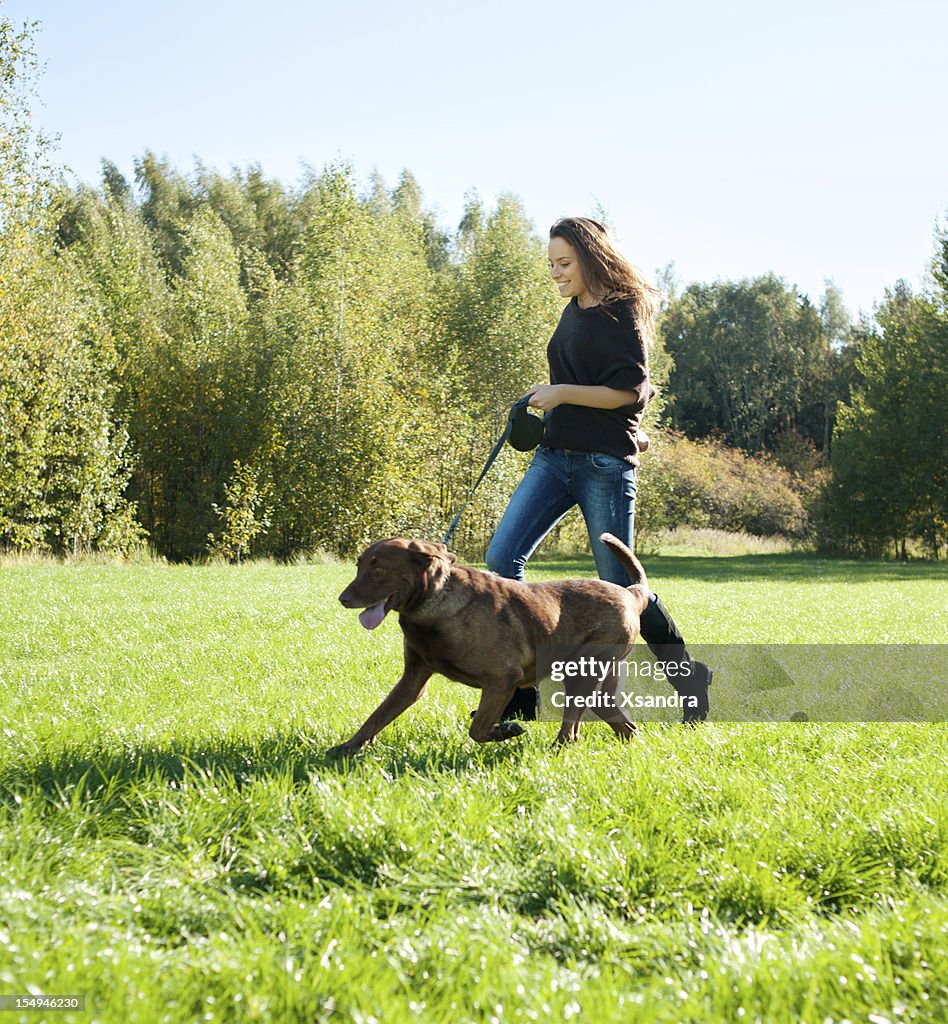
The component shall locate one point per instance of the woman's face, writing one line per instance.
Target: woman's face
(564, 269)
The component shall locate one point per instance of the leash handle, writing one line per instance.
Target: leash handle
(490, 461)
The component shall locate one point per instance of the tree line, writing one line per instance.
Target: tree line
(220, 363)
(759, 366)
(211, 361)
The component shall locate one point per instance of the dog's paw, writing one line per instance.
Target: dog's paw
(347, 749)
(507, 730)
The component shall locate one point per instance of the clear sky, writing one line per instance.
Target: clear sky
(807, 138)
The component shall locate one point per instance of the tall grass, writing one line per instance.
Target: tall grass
(175, 846)
(720, 543)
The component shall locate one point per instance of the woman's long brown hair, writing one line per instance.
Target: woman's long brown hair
(608, 274)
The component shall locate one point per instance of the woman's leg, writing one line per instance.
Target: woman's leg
(605, 489)
(607, 498)
(692, 678)
(540, 501)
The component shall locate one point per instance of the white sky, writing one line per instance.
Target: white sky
(806, 138)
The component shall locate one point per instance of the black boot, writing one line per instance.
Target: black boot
(690, 678)
(523, 705)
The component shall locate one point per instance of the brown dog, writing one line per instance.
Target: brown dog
(483, 630)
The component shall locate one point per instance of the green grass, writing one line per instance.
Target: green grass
(174, 845)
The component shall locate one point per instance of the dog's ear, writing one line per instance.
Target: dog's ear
(449, 556)
(422, 551)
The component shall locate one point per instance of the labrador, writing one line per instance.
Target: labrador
(483, 630)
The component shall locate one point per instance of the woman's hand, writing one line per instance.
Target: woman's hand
(546, 396)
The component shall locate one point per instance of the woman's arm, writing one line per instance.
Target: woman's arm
(549, 396)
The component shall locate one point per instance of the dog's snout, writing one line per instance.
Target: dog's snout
(345, 598)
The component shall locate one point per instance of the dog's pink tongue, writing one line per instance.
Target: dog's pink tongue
(371, 617)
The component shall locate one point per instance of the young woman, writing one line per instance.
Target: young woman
(598, 390)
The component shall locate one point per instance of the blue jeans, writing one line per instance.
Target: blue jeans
(557, 479)
(604, 488)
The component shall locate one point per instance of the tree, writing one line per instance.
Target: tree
(889, 477)
(831, 371)
(25, 172)
(64, 461)
(63, 457)
(204, 387)
(347, 402)
(167, 206)
(408, 204)
(259, 214)
(502, 311)
(243, 518)
(744, 359)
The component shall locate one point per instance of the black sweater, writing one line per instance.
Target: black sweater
(598, 346)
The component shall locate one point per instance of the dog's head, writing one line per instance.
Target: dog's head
(396, 574)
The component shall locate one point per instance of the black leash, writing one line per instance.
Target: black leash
(514, 409)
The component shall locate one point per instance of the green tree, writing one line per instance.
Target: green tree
(26, 174)
(114, 247)
(502, 310)
(889, 478)
(408, 206)
(830, 372)
(245, 516)
(63, 456)
(64, 461)
(346, 397)
(747, 359)
(259, 213)
(204, 385)
(167, 205)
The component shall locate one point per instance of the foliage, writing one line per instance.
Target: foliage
(64, 459)
(749, 358)
(705, 483)
(25, 173)
(159, 332)
(333, 339)
(342, 402)
(502, 311)
(243, 518)
(890, 482)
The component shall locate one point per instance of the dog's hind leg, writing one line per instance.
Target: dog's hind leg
(573, 711)
(614, 713)
(405, 692)
(569, 730)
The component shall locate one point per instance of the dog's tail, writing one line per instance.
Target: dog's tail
(632, 565)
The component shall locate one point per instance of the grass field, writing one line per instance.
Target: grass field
(175, 847)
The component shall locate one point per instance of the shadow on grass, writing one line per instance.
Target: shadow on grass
(105, 783)
(787, 567)
(105, 771)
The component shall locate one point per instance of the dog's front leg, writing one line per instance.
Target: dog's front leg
(495, 696)
(406, 691)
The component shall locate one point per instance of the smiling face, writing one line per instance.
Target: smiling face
(566, 272)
